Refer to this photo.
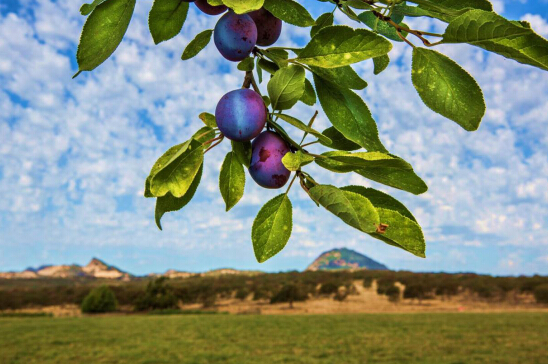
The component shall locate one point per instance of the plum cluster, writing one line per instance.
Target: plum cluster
(242, 114)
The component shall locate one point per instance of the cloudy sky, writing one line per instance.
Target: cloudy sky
(74, 154)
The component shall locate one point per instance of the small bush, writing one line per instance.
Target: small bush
(367, 282)
(289, 293)
(341, 295)
(415, 290)
(242, 293)
(100, 299)
(329, 288)
(384, 284)
(393, 294)
(260, 294)
(541, 293)
(158, 296)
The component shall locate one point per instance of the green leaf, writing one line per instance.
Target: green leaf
(179, 172)
(339, 45)
(345, 9)
(197, 44)
(309, 95)
(247, 64)
(381, 199)
(268, 66)
(380, 64)
(231, 180)
(294, 161)
(208, 119)
(203, 135)
(242, 150)
(381, 27)
(358, 4)
(401, 178)
(290, 12)
(277, 55)
(272, 228)
(241, 6)
(349, 115)
(86, 9)
(302, 126)
(401, 232)
(166, 19)
(168, 203)
(103, 32)
(338, 141)
(259, 71)
(352, 208)
(342, 77)
(445, 10)
(323, 21)
(447, 89)
(162, 161)
(366, 160)
(492, 32)
(286, 87)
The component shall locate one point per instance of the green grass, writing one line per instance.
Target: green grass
(422, 338)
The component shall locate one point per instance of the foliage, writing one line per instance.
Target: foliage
(541, 293)
(157, 296)
(17, 294)
(100, 299)
(329, 288)
(321, 72)
(289, 293)
(393, 293)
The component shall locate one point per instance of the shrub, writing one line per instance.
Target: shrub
(329, 288)
(242, 293)
(384, 284)
(100, 299)
(541, 293)
(341, 295)
(367, 282)
(393, 294)
(289, 293)
(415, 290)
(158, 296)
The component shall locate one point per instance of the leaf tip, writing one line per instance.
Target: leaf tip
(76, 74)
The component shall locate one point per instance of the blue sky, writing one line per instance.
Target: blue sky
(74, 154)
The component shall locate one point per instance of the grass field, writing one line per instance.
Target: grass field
(389, 338)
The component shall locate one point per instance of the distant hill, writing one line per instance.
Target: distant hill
(96, 268)
(338, 259)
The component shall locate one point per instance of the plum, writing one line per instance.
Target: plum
(241, 114)
(269, 27)
(210, 9)
(235, 36)
(266, 166)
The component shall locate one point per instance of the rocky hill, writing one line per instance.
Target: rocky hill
(344, 258)
(94, 269)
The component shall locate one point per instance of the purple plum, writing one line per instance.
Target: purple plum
(210, 9)
(266, 166)
(269, 27)
(241, 114)
(235, 36)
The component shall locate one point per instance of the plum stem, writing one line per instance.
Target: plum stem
(309, 125)
(291, 183)
(219, 140)
(249, 80)
(307, 144)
